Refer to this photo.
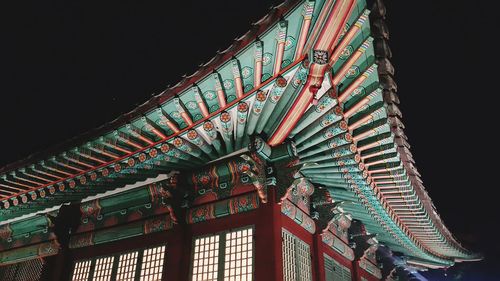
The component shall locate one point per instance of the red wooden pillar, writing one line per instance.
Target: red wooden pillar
(268, 258)
(319, 265)
(355, 271)
(176, 266)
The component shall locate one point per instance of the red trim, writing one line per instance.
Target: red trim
(303, 235)
(234, 102)
(360, 272)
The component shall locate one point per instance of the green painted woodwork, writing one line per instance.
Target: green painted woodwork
(30, 252)
(137, 228)
(349, 140)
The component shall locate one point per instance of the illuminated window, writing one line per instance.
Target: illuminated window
(335, 271)
(206, 258)
(123, 266)
(102, 269)
(152, 263)
(127, 267)
(226, 256)
(296, 258)
(239, 255)
(81, 271)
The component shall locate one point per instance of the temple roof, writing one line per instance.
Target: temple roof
(317, 73)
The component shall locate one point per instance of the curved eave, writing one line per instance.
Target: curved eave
(340, 109)
(156, 121)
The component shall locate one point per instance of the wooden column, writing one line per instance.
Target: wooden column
(176, 266)
(319, 264)
(268, 257)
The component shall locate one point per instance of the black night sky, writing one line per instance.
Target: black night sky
(68, 66)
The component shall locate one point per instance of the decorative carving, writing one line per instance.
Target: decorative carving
(243, 204)
(158, 224)
(200, 214)
(223, 208)
(5, 231)
(337, 245)
(320, 57)
(297, 215)
(91, 209)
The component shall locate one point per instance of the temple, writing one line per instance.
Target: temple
(282, 158)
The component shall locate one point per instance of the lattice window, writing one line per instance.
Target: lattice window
(288, 252)
(81, 271)
(102, 269)
(152, 263)
(239, 255)
(296, 258)
(127, 266)
(206, 258)
(226, 256)
(303, 260)
(27, 271)
(143, 265)
(335, 271)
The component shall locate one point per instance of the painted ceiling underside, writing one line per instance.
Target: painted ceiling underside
(314, 72)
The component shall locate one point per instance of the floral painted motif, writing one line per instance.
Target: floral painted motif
(90, 209)
(164, 148)
(299, 78)
(175, 114)
(242, 112)
(289, 43)
(346, 53)
(335, 130)
(153, 153)
(329, 118)
(225, 117)
(326, 101)
(191, 105)
(246, 72)
(201, 214)
(359, 91)
(320, 57)
(192, 134)
(228, 84)
(178, 142)
(352, 72)
(210, 95)
(281, 82)
(158, 224)
(267, 58)
(243, 204)
(105, 172)
(344, 30)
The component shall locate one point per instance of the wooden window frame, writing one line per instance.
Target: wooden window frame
(116, 260)
(221, 254)
(298, 265)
